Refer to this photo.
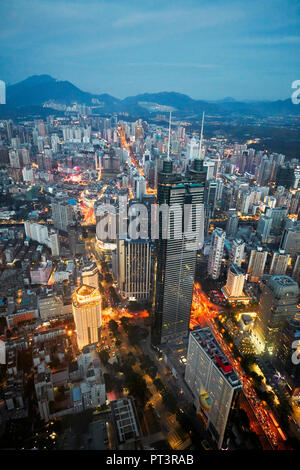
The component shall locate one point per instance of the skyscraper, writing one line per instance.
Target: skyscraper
(62, 215)
(290, 240)
(289, 343)
(264, 228)
(175, 257)
(216, 253)
(257, 263)
(134, 269)
(235, 282)
(232, 223)
(280, 262)
(213, 382)
(89, 274)
(278, 303)
(86, 306)
(236, 253)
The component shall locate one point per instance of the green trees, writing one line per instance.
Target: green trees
(148, 366)
(113, 326)
(104, 357)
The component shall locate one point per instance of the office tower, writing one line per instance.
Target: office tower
(54, 244)
(295, 204)
(296, 269)
(264, 171)
(175, 257)
(213, 382)
(140, 187)
(14, 159)
(278, 303)
(27, 173)
(2, 92)
(245, 202)
(278, 215)
(89, 274)
(62, 215)
(86, 306)
(134, 269)
(288, 347)
(126, 424)
(257, 263)
(210, 195)
(236, 253)
(232, 223)
(41, 128)
(216, 253)
(270, 201)
(264, 228)
(192, 149)
(235, 282)
(290, 241)
(280, 262)
(207, 215)
(76, 241)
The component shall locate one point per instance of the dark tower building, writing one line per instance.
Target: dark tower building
(175, 257)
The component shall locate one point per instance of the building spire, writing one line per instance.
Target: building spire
(169, 137)
(201, 138)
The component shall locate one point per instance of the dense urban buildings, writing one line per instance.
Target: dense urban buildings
(149, 284)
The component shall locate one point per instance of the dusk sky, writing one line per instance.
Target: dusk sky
(208, 50)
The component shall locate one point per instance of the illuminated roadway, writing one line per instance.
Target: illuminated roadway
(204, 312)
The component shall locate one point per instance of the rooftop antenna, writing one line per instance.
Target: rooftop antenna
(169, 137)
(201, 137)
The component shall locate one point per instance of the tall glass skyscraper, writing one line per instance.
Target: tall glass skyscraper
(175, 257)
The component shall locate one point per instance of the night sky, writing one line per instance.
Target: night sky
(206, 49)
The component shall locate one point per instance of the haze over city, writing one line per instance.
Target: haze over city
(208, 50)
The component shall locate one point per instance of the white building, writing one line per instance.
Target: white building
(28, 175)
(216, 253)
(257, 263)
(280, 262)
(236, 253)
(213, 382)
(86, 307)
(234, 288)
(89, 274)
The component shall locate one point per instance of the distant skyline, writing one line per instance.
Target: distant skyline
(208, 50)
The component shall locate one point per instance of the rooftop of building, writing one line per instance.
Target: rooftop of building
(209, 344)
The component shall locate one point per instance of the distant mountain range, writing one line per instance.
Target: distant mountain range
(34, 92)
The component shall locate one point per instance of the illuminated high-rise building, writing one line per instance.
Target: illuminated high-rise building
(232, 223)
(216, 253)
(86, 306)
(257, 263)
(280, 262)
(236, 253)
(134, 269)
(235, 282)
(175, 258)
(278, 302)
(62, 214)
(89, 275)
(213, 382)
